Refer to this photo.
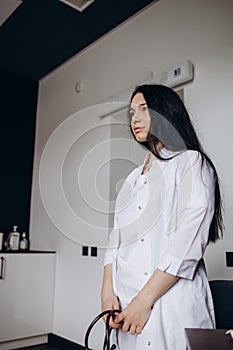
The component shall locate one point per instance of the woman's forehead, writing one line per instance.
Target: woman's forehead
(138, 99)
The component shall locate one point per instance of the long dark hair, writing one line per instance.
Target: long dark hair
(171, 126)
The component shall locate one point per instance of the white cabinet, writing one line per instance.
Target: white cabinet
(26, 294)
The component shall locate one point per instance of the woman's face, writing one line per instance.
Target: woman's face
(140, 117)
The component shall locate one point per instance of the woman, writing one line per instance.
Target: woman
(166, 213)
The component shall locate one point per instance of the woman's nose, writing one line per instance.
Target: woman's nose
(136, 117)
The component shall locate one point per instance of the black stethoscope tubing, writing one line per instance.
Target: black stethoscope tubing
(108, 329)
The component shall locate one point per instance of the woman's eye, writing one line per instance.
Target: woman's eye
(131, 113)
(144, 108)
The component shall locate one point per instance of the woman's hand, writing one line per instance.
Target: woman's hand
(110, 302)
(134, 316)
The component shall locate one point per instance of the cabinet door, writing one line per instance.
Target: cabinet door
(26, 295)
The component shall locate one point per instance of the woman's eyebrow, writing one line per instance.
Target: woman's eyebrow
(140, 104)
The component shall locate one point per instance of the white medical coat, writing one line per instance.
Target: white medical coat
(162, 220)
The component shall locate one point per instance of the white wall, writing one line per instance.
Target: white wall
(164, 35)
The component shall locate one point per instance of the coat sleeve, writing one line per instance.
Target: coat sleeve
(188, 235)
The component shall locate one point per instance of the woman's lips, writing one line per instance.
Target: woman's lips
(137, 129)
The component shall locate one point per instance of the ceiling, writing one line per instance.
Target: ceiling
(42, 34)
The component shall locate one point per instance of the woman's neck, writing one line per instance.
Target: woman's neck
(150, 158)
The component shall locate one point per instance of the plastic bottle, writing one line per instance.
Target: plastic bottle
(14, 239)
(23, 244)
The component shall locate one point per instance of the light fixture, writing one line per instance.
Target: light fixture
(79, 5)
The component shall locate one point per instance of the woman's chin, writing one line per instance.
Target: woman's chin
(140, 138)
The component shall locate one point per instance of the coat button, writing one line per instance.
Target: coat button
(142, 240)
(139, 207)
(145, 182)
(146, 273)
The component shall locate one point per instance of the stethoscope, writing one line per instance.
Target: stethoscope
(108, 329)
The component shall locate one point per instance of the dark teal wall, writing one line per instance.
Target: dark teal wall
(18, 102)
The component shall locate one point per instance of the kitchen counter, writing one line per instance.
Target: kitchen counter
(27, 251)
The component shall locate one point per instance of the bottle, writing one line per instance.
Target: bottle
(23, 244)
(1, 240)
(13, 240)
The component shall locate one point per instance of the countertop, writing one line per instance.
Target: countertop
(27, 251)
